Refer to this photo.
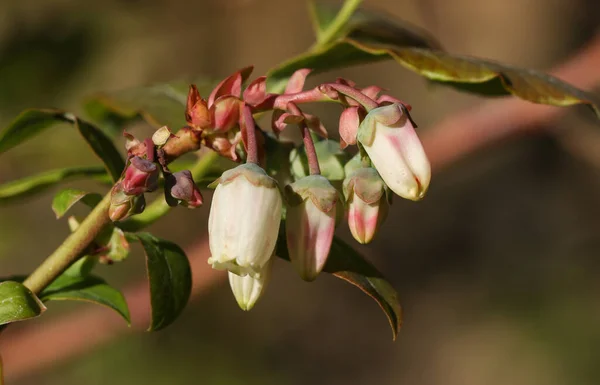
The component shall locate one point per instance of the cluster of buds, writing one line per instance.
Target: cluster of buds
(248, 203)
(145, 161)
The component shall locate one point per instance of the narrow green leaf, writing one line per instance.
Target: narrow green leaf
(159, 105)
(31, 185)
(346, 263)
(32, 122)
(321, 16)
(65, 199)
(89, 289)
(103, 147)
(27, 125)
(82, 267)
(18, 303)
(170, 279)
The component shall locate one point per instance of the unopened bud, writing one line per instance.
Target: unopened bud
(196, 113)
(388, 136)
(181, 189)
(349, 122)
(310, 223)
(123, 205)
(141, 176)
(366, 196)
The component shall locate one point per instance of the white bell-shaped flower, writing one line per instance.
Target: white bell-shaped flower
(244, 220)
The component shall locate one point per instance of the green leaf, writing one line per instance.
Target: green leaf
(170, 279)
(18, 303)
(370, 38)
(159, 105)
(89, 289)
(65, 199)
(32, 122)
(27, 125)
(31, 185)
(103, 147)
(321, 16)
(490, 78)
(82, 267)
(364, 26)
(346, 263)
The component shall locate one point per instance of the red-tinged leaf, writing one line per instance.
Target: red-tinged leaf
(369, 37)
(346, 263)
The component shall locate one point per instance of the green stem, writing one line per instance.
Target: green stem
(75, 244)
(340, 21)
(159, 207)
(324, 38)
(71, 248)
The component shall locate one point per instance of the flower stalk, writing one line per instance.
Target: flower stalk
(309, 144)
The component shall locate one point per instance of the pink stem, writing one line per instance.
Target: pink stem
(352, 93)
(252, 147)
(309, 145)
(311, 96)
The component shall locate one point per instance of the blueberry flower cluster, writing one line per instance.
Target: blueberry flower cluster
(249, 209)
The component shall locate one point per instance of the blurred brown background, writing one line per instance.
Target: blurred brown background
(496, 268)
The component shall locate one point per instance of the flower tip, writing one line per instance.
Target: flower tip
(308, 276)
(247, 289)
(419, 191)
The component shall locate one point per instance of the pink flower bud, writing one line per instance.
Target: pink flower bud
(349, 122)
(243, 224)
(196, 112)
(141, 176)
(256, 94)
(225, 113)
(230, 86)
(181, 189)
(366, 197)
(388, 136)
(310, 223)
